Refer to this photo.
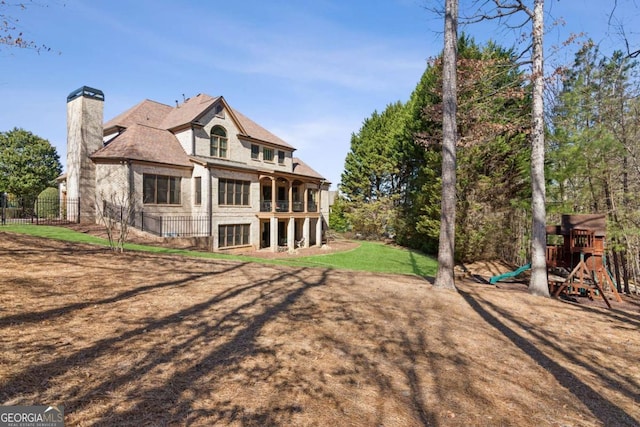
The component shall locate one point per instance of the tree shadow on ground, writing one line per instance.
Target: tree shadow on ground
(53, 313)
(232, 343)
(613, 313)
(606, 411)
(240, 344)
(234, 334)
(400, 350)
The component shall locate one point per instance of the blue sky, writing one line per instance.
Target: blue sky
(310, 71)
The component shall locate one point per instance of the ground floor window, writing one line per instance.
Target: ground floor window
(233, 235)
(161, 190)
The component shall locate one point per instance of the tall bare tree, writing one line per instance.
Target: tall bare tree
(503, 10)
(446, 246)
(538, 284)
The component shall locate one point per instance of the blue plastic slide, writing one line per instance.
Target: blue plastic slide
(496, 279)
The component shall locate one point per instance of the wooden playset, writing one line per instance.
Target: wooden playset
(582, 253)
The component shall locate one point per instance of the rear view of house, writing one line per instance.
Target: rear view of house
(197, 169)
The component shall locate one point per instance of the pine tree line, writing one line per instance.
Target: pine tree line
(391, 182)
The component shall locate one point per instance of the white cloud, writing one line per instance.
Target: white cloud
(303, 48)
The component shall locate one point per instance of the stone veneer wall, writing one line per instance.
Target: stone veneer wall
(84, 137)
(112, 184)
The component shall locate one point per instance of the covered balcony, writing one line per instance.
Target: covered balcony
(282, 195)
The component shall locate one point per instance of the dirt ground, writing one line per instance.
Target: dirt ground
(153, 340)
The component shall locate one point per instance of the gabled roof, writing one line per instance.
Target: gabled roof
(144, 132)
(189, 111)
(147, 112)
(146, 143)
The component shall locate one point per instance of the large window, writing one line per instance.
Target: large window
(255, 151)
(267, 154)
(161, 190)
(280, 156)
(233, 235)
(232, 192)
(198, 191)
(218, 142)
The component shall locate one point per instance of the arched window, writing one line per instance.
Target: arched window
(218, 142)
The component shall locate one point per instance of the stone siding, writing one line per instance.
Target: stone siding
(112, 185)
(84, 137)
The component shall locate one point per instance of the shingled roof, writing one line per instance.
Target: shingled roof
(148, 113)
(188, 111)
(255, 131)
(144, 132)
(140, 142)
(301, 168)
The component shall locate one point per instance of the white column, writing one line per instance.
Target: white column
(291, 233)
(274, 190)
(305, 232)
(319, 231)
(274, 234)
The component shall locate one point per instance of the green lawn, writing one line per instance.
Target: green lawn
(377, 257)
(369, 256)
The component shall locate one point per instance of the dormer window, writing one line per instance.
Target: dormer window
(218, 142)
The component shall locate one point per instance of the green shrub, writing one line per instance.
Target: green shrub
(48, 203)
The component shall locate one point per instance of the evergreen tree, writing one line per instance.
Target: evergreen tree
(371, 166)
(373, 180)
(392, 176)
(593, 152)
(492, 153)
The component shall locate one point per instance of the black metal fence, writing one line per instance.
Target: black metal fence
(38, 210)
(160, 225)
(173, 226)
(53, 210)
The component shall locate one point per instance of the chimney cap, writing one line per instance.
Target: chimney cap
(87, 92)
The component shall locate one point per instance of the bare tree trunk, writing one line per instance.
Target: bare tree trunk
(616, 267)
(616, 239)
(446, 246)
(625, 274)
(538, 284)
(625, 203)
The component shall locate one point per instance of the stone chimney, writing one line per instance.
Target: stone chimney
(84, 137)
